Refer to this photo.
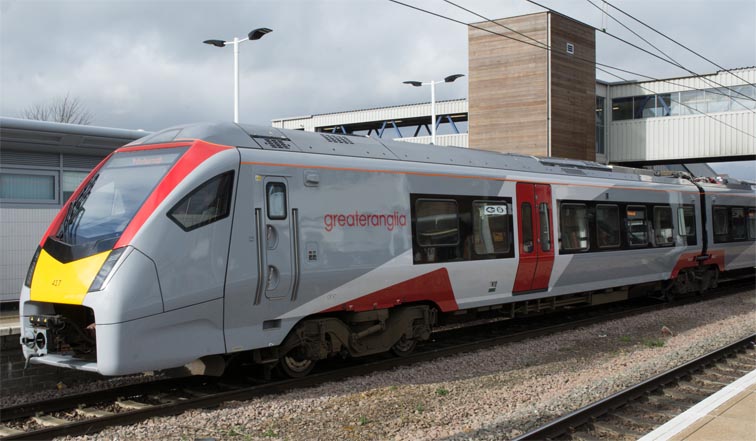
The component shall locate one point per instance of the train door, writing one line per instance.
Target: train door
(276, 240)
(536, 245)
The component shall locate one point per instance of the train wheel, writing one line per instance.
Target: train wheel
(293, 365)
(404, 347)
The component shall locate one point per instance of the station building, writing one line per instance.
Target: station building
(41, 164)
(528, 100)
(522, 99)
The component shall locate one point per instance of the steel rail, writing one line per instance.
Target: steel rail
(356, 367)
(594, 410)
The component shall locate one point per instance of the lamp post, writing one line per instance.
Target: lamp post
(432, 84)
(254, 35)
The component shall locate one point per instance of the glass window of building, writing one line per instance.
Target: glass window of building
(622, 108)
(675, 109)
(692, 102)
(600, 125)
(70, 181)
(644, 106)
(743, 97)
(718, 100)
(28, 186)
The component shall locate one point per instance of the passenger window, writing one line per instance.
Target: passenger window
(526, 214)
(607, 226)
(663, 226)
(637, 230)
(737, 216)
(751, 221)
(206, 204)
(686, 221)
(574, 227)
(437, 223)
(490, 227)
(721, 224)
(543, 212)
(276, 199)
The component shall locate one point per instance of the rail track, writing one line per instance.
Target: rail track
(92, 412)
(636, 411)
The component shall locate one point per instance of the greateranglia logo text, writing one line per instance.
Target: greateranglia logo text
(370, 220)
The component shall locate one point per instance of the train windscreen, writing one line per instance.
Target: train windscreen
(97, 217)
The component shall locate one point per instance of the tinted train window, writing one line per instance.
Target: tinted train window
(637, 230)
(206, 204)
(607, 226)
(574, 227)
(751, 221)
(275, 194)
(686, 221)
(437, 223)
(543, 212)
(737, 216)
(663, 226)
(721, 222)
(526, 214)
(490, 227)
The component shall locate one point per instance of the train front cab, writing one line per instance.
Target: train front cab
(108, 290)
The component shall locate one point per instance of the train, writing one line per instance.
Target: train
(205, 243)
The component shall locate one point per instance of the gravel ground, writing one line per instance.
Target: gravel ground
(490, 394)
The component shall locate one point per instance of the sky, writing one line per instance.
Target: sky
(141, 64)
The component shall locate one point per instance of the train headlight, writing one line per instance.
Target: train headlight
(32, 266)
(99, 281)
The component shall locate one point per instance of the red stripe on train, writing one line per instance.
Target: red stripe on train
(198, 153)
(434, 286)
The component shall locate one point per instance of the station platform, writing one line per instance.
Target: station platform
(728, 415)
(9, 323)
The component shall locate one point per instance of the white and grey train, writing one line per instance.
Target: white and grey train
(202, 243)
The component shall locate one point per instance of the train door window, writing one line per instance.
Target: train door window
(686, 221)
(663, 226)
(491, 228)
(721, 224)
(526, 216)
(437, 223)
(751, 221)
(607, 226)
(637, 228)
(543, 213)
(737, 218)
(276, 199)
(574, 227)
(206, 204)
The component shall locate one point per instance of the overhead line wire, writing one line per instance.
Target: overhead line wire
(592, 62)
(678, 43)
(649, 52)
(538, 43)
(672, 59)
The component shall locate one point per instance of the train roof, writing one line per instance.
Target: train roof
(285, 140)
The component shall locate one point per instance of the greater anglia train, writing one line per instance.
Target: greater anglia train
(202, 243)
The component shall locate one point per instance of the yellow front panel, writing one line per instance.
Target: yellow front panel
(57, 282)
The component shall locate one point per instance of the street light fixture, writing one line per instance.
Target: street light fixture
(253, 35)
(432, 84)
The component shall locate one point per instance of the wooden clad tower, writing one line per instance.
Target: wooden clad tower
(524, 99)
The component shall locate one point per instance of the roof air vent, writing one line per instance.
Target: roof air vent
(337, 139)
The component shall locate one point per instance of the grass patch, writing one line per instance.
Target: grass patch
(270, 433)
(653, 342)
(626, 339)
(441, 392)
(420, 408)
(363, 420)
